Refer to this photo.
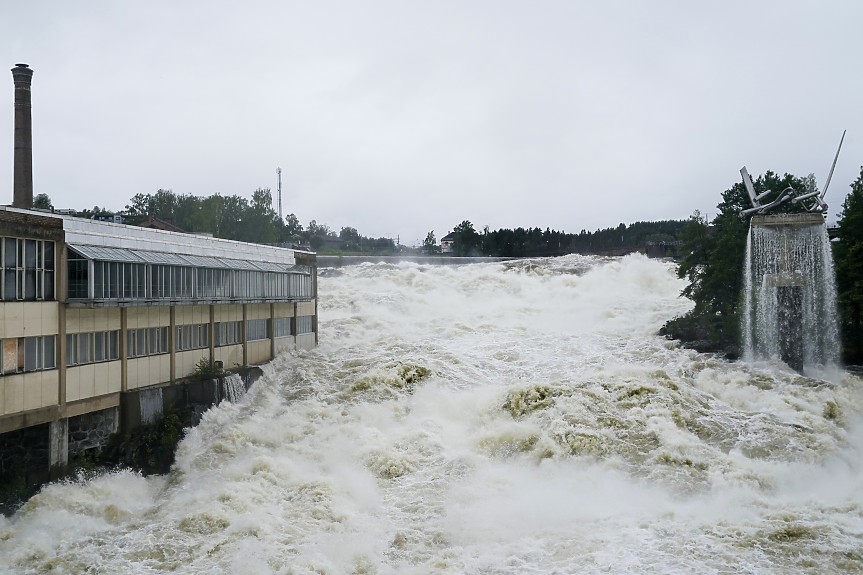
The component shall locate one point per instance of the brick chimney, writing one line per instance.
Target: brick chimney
(22, 189)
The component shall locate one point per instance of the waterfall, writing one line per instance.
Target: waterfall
(789, 308)
(150, 404)
(233, 388)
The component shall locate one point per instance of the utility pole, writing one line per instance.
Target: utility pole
(279, 172)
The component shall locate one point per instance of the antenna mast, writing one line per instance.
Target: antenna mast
(279, 172)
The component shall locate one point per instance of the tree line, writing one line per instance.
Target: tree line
(234, 217)
(535, 242)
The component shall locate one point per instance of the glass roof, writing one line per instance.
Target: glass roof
(107, 254)
(161, 258)
(146, 256)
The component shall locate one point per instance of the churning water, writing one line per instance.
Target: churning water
(508, 418)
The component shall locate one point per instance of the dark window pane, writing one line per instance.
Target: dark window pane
(141, 336)
(49, 285)
(9, 258)
(30, 354)
(9, 289)
(114, 352)
(127, 280)
(70, 349)
(30, 284)
(84, 355)
(49, 352)
(154, 341)
(142, 281)
(49, 255)
(77, 278)
(100, 346)
(30, 254)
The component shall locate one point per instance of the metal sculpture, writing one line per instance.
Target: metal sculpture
(817, 203)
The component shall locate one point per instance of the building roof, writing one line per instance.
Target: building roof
(83, 232)
(155, 223)
(449, 237)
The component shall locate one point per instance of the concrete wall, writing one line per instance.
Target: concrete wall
(258, 311)
(187, 361)
(285, 343)
(306, 341)
(90, 320)
(157, 316)
(192, 314)
(28, 319)
(92, 380)
(283, 310)
(231, 312)
(26, 391)
(259, 351)
(146, 371)
(305, 308)
(229, 355)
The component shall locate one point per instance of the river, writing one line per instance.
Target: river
(517, 417)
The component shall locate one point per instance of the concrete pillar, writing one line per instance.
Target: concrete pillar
(245, 337)
(315, 294)
(58, 447)
(172, 334)
(272, 330)
(124, 356)
(60, 352)
(22, 188)
(212, 334)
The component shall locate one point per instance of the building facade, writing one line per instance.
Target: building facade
(91, 310)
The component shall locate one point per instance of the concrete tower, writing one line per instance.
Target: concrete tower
(22, 190)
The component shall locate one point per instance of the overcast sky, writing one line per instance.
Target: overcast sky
(402, 117)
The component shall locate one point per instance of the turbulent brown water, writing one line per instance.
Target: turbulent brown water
(506, 418)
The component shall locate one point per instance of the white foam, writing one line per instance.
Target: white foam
(504, 418)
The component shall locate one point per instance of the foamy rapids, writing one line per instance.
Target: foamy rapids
(495, 418)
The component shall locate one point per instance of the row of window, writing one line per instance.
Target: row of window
(195, 336)
(36, 353)
(146, 341)
(26, 269)
(27, 354)
(84, 348)
(117, 280)
(257, 329)
(228, 333)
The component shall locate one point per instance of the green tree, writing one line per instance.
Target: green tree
(293, 228)
(430, 243)
(465, 239)
(42, 201)
(848, 253)
(260, 219)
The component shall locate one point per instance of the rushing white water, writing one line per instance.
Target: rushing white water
(518, 418)
(233, 388)
(796, 256)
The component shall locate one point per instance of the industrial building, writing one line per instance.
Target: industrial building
(93, 310)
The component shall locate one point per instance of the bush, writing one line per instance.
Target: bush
(206, 369)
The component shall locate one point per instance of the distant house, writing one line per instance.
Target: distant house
(113, 218)
(155, 223)
(446, 243)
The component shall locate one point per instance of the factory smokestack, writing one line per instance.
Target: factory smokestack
(22, 190)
